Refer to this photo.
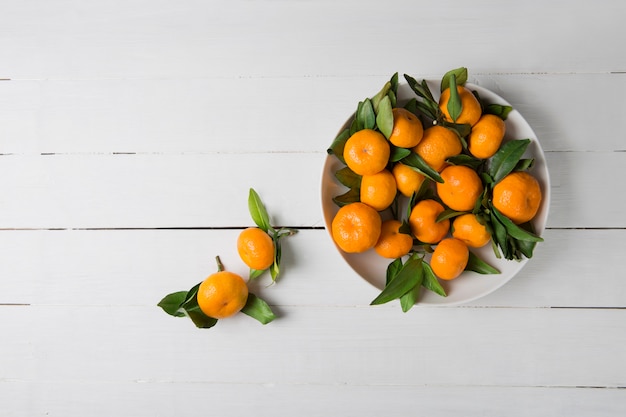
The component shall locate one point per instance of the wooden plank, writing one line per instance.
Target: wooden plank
(572, 268)
(154, 398)
(141, 38)
(211, 190)
(318, 345)
(284, 114)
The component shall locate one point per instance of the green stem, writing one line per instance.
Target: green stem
(220, 266)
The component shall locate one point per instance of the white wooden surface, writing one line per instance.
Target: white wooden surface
(131, 131)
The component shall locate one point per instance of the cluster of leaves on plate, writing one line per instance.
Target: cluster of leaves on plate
(407, 275)
(228, 289)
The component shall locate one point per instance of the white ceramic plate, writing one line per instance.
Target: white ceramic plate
(470, 285)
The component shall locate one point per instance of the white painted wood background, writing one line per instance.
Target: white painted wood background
(131, 131)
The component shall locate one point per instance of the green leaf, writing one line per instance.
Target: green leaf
(411, 106)
(455, 107)
(255, 273)
(498, 110)
(526, 248)
(258, 212)
(351, 196)
(336, 148)
(416, 162)
(171, 303)
(448, 214)
(191, 300)
(431, 282)
(366, 115)
(514, 230)
(392, 98)
(200, 319)
(476, 264)
(408, 300)
(348, 177)
(427, 109)
(425, 192)
(258, 309)
(392, 270)
(384, 117)
(507, 157)
(398, 154)
(421, 90)
(405, 228)
(500, 237)
(275, 267)
(380, 95)
(466, 160)
(460, 77)
(524, 164)
(481, 201)
(192, 310)
(410, 274)
(394, 83)
(463, 129)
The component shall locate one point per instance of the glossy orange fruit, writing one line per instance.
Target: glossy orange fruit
(407, 129)
(392, 244)
(471, 110)
(378, 190)
(356, 227)
(461, 187)
(222, 294)
(517, 196)
(449, 259)
(256, 248)
(408, 180)
(469, 230)
(366, 152)
(486, 136)
(423, 222)
(437, 145)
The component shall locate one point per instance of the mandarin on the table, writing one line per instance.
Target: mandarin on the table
(517, 196)
(222, 294)
(408, 180)
(461, 187)
(366, 152)
(469, 230)
(471, 110)
(392, 243)
(407, 128)
(449, 258)
(423, 221)
(437, 145)
(378, 190)
(356, 227)
(255, 248)
(486, 136)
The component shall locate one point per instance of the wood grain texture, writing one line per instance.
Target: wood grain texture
(148, 39)
(138, 267)
(211, 190)
(326, 345)
(131, 131)
(147, 398)
(256, 115)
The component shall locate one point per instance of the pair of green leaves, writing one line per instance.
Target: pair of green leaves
(406, 280)
(261, 218)
(376, 112)
(185, 304)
